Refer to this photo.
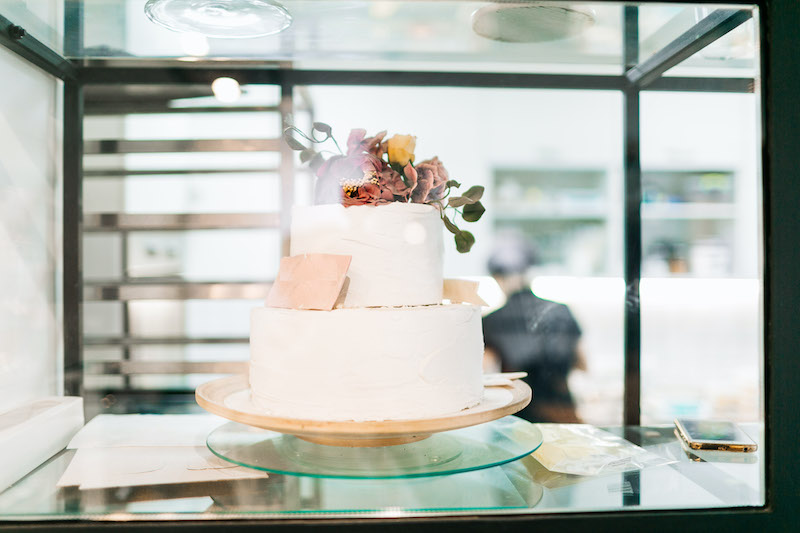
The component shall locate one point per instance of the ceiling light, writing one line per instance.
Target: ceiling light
(226, 90)
(530, 22)
(220, 18)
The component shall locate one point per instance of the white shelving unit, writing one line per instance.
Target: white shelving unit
(564, 211)
(690, 219)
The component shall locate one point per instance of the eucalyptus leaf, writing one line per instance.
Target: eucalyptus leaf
(474, 193)
(464, 241)
(452, 183)
(316, 161)
(452, 228)
(458, 201)
(306, 155)
(293, 143)
(324, 128)
(473, 212)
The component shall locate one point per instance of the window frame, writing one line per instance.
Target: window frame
(780, 124)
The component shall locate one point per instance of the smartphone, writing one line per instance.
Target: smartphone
(714, 456)
(714, 435)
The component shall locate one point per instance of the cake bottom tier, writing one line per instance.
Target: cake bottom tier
(366, 364)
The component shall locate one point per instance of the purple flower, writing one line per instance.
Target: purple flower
(332, 173)
(356, 143)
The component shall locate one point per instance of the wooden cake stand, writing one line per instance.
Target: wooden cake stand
(229, 397)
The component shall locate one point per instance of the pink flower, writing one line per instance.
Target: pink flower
(411, 176)
(364, 177)
(368, 193)
(424, 185)
(395, 183)
(370, 163)
(433, 177)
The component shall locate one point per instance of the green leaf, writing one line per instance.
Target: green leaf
(458, 201)
(293, 143)
(473, 212)
(324, 128)
(450, 226)
(464, 241)
(452, 183)
(306, 155)
(316, 161)
(474, 193)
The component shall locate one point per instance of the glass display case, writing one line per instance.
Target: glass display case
(624, 165)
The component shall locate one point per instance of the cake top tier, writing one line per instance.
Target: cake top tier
(396, 250)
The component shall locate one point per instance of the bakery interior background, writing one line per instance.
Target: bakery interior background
(551, 163)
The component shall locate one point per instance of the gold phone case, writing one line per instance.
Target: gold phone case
(719, 446)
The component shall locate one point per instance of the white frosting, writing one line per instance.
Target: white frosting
(366, 364)
(396, 249)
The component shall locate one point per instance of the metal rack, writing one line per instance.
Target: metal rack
(129, 100)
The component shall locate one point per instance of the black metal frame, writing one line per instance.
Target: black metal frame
(72, 235)
(781, 195)
(632, 225)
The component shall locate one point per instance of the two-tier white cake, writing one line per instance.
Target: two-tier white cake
(393, 350)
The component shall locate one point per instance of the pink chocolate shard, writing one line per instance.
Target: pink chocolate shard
(309, 281)
(462, 291)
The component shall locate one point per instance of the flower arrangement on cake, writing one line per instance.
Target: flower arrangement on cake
(377, 171)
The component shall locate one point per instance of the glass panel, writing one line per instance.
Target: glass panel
(222, 192)
(102, 256)
(701, 292)
(331, 34)
(102, 319)
(42, 19)
(734, 54)
(251, 125)
(198, 161)
(550, 163)
(92, 381)
(196, 255)
(168, 234)
(509, 489)
(192, 318)
(30, 234)
(192, 352)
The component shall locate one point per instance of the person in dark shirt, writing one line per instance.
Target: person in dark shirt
(532, 335)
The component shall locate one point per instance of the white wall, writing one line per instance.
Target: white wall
(30, 144)
(473, 131)
(701, 338)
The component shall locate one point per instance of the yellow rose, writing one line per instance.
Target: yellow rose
(401, 149)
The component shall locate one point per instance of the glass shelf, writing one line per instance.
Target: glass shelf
(361, 34)
(521, 486)
(473, 448)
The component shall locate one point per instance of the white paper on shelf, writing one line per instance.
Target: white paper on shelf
(97, 468)
(32, 433)
(112, 431)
